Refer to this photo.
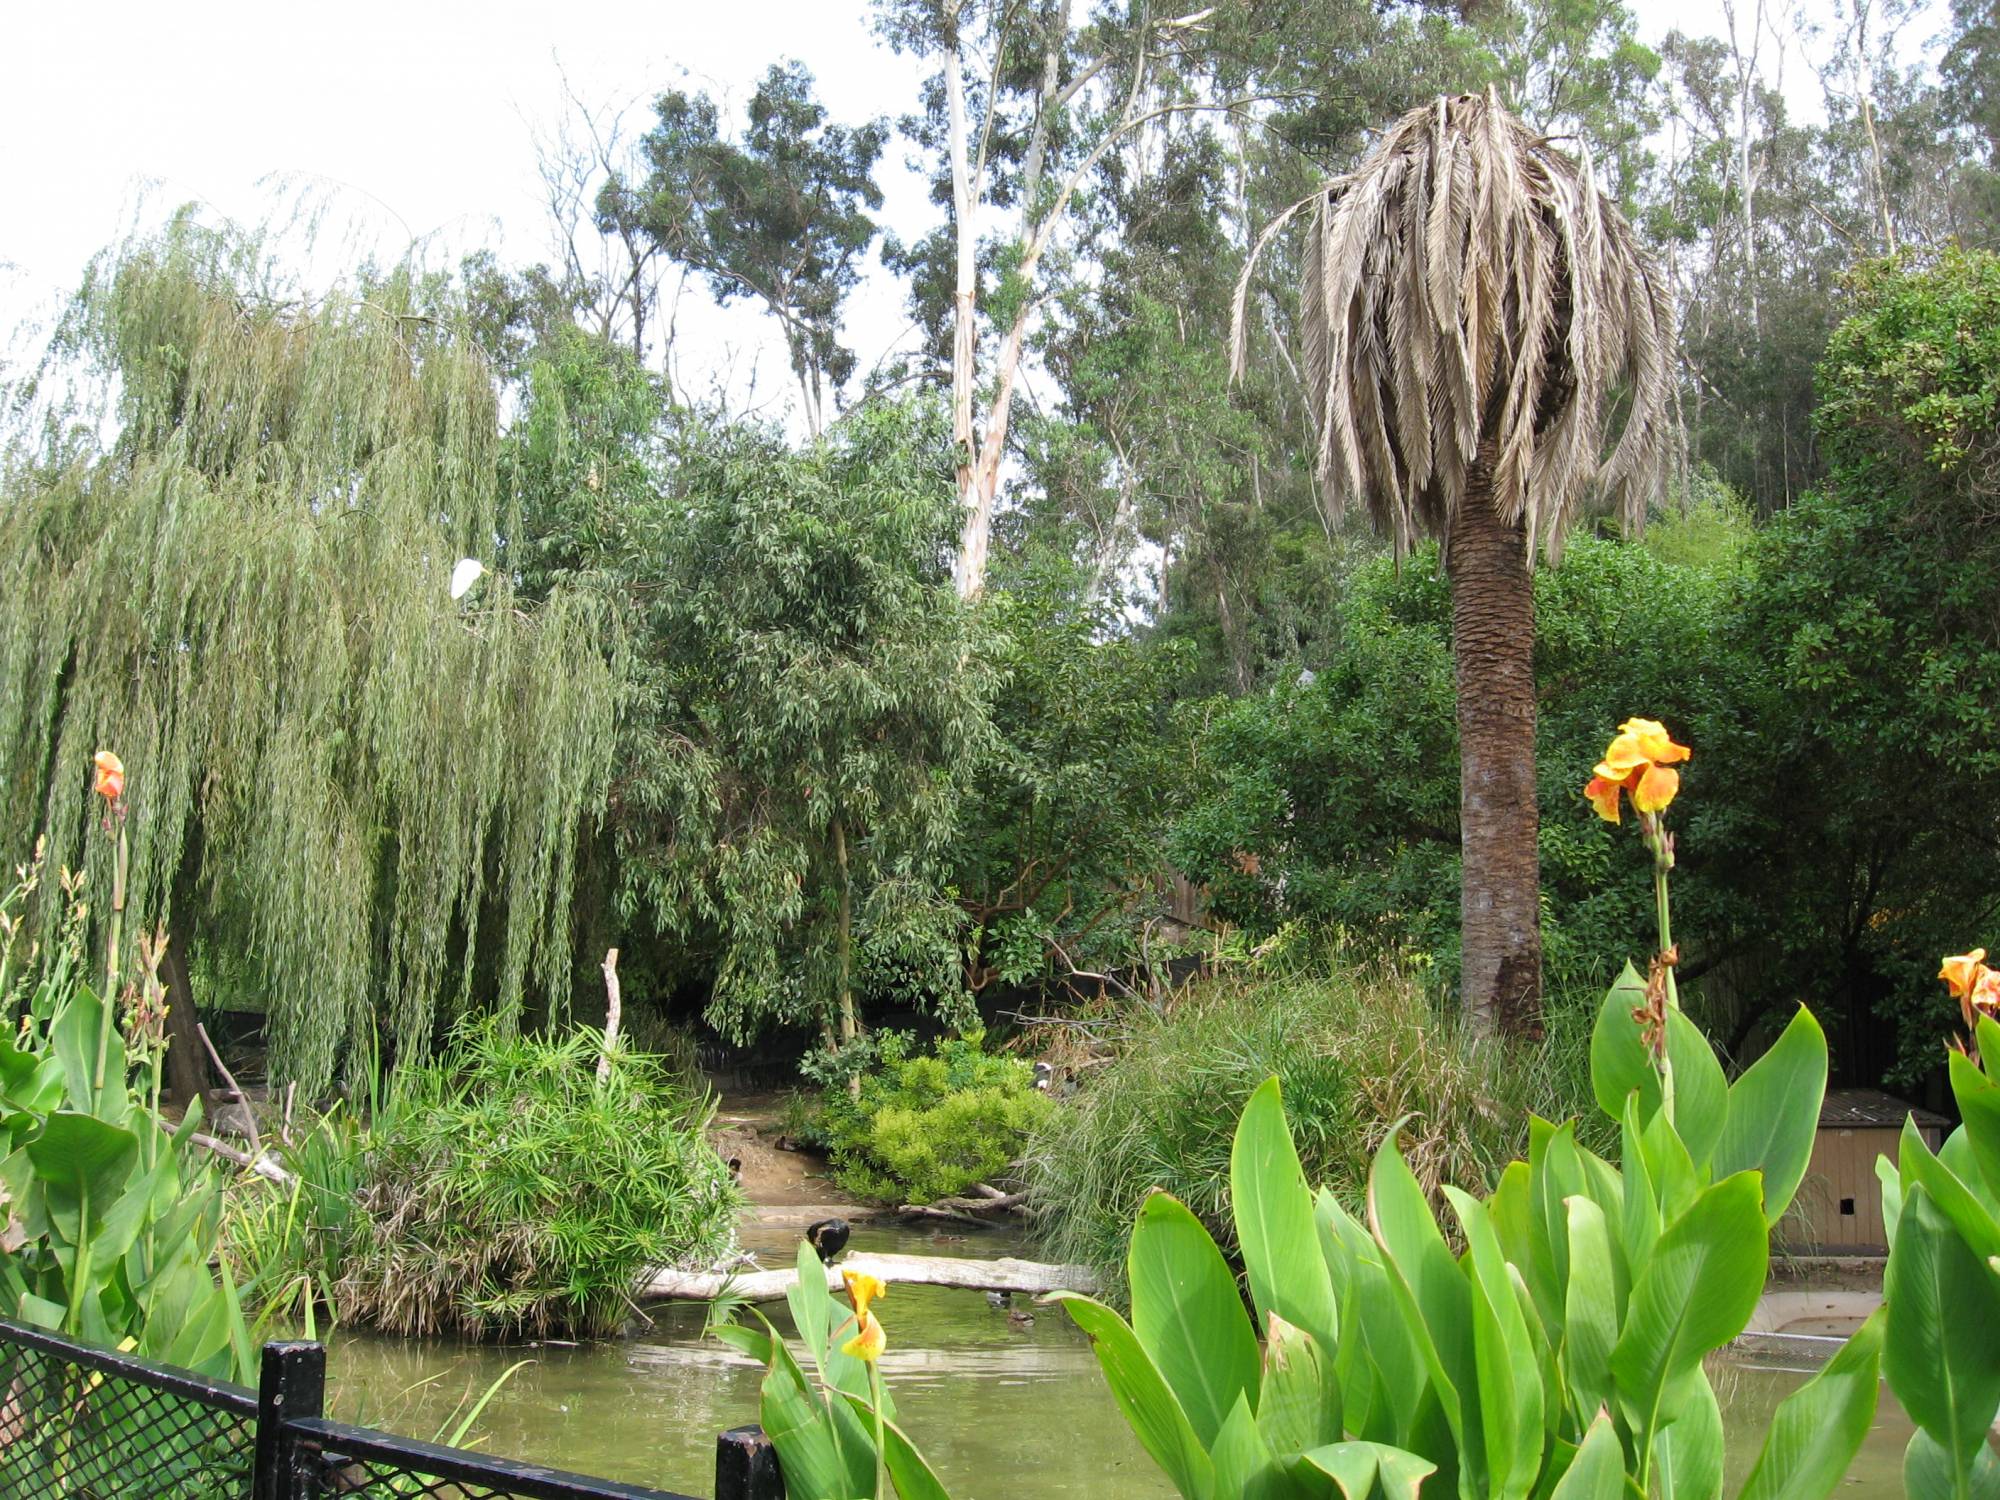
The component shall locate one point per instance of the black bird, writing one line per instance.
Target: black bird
(829, 1237)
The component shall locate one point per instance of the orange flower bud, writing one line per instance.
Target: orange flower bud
(110, 782)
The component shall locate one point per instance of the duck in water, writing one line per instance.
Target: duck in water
(828, 1238)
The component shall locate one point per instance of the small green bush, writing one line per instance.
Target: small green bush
(1355, 1046)
(511, 1191)
(930, 1125)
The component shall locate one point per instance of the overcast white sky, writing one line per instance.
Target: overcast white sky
(420, 114)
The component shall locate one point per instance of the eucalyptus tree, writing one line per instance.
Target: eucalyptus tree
(363, 797)
(1474, 309)
(1027, 103)
(781, 215)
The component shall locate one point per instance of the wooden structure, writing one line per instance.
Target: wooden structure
(1839, 1207)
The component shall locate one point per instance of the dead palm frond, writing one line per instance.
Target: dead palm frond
(1469, 295)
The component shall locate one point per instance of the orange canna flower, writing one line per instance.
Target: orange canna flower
(110, 782)
(1638, 761)
(869, 1343)
(1961, 972)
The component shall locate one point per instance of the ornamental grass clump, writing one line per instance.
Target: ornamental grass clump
(512, 1191)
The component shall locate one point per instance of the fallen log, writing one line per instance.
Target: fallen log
(1003, 1275)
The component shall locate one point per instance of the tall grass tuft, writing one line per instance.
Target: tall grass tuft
(1357, 1046)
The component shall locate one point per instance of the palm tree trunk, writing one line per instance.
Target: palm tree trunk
(1493, 648)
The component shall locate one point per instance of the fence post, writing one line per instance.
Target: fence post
(291, 1387)
(746, 1466)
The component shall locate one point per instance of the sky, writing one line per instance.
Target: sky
(419, 119)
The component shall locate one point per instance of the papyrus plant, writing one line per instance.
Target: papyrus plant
(1552, 1344)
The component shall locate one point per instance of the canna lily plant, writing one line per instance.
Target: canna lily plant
(836, 1434)
(1942, 1285)
(1553, 1345)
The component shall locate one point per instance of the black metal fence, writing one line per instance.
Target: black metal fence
(81, 1423)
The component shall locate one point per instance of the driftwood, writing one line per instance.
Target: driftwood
(1004, 1275)
(610, 1015)
(261, 1163)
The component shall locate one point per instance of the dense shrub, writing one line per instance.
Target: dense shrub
(1334, 799)
(511, 1191)
(1355, 1046)
(929, 1125)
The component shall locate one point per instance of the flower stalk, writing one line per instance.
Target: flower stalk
(1639, 763)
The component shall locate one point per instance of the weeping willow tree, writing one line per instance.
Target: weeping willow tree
(224, 554)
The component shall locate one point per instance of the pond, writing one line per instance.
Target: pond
(986, 1399)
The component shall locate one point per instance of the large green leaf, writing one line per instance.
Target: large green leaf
(78, 1156)
(1930, 1474)
(1273, 1208)
(1696, 1294)
(1591, 1315)
(1817, 1430)
(1291, 1399)
(1508, 1375)
(1425, 1277)
(1149, 1404)
(1978, 1098)
(1245, 1468)
(73, 1037)
(1619, 1062)
(1939, 1351)
(1949, 1193)
(1363, 1471)
(824, 1325)
(1597, 1470)
(908, 1470)
(1773, 1114)
(800, 1428)
(1188, 1314)
(1687, 1453)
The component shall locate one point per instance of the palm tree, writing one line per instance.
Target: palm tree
(1477, 318)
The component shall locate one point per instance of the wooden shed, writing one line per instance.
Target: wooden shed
(1839, 1207)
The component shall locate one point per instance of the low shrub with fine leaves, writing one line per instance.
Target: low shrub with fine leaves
(511, 1191)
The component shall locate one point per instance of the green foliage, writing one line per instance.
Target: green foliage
(926, 1126)
(808, 703)
(1943, 1213)
(511, 1190)
(837, 1436)
(358, 788)
(781, 216)
(1864, 659)
(1357, 1047)
(1063, 819)
(1335, 800)
(1560, 1353)
(112, 1220)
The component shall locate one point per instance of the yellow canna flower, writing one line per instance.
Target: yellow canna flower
(869, 1343)
(1638, 761)
(863, 1289)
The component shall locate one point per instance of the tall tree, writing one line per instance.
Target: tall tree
(1473, 309)
(1027, 103)
(364, 797)
(781, 215)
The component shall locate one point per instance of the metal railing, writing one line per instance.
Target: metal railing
(83, 1423)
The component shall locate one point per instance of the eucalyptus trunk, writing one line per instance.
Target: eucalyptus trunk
(1493, 652)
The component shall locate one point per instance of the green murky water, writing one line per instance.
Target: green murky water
(986, 1400)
